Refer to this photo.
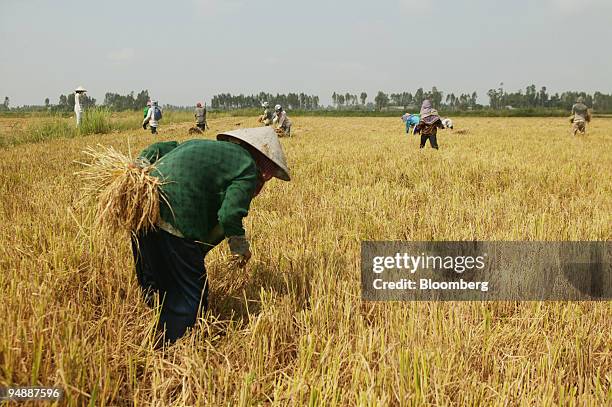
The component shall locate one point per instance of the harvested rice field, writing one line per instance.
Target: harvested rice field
(295, 331)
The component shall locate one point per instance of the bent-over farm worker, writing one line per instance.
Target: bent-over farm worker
(209, 186)
(429, 125)
(146, 112)
(266, 117)
(78, 109)
(200, 115)
(411, 120)
(282, 120)
(447, 123)
(580, 116)
(152, 118)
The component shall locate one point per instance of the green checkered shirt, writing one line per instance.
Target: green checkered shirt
(209, 185)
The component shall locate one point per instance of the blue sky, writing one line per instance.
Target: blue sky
(185, 51)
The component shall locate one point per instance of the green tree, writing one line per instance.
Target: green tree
(543, 97)
(395, 98)
(363, 97)
(419, 96)
(493, 102)
(436, 97)
(381, 100)
(141, 99)
(530, 95)
(315, 102)
(340, 100)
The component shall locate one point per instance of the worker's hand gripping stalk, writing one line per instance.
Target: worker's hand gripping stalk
(239, 247)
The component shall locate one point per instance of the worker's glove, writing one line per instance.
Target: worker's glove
(144, 126)
(239, 247)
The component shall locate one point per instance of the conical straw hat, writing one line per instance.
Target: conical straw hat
(80, 89)
(264, 140)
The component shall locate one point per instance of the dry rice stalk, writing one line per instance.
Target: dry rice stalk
(226, 276)
(195, 130)
(127, 195)
(280, 132)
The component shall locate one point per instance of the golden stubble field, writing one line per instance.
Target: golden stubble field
(299, 334)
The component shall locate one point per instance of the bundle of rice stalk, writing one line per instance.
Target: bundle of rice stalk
(127, 195)
(227, 276)
(280, 132)
(195, 130)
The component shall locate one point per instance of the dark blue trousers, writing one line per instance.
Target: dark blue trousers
(432, 140)
(173, 268)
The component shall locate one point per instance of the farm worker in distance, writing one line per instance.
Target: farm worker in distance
(429, 125)
(411, 120)
(282, 120)
(78, 109)
(447, 123)
(145, 112)
(209, 186)
(266, 117)
(154, 114)
(200, 115)
(580, 116)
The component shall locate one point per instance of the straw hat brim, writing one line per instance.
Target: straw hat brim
(266, 142)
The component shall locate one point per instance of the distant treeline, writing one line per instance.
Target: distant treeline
(227, 101)
(528, 102)
(532, 99)
(113, 101)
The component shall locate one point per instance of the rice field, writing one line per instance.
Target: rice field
(296, 332)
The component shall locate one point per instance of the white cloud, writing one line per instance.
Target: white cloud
(121, 55)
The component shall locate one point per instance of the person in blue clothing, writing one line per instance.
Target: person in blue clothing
(411, 120)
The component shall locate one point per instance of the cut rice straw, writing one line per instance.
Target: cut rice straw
(127, 195)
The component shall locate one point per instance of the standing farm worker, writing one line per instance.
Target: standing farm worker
(145, 112)
(580, 116)
(411, 120)
(428, 125)
(154, 114)
(208, 186)
(447, 123)
(200, 115)
(266, 117)
(78, 109)
(282, 120)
